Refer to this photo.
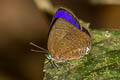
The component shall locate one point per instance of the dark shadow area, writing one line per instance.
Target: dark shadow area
(21, 22)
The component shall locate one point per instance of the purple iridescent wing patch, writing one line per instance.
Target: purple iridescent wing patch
(67, 16)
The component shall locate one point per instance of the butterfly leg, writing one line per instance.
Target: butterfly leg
(53, 63)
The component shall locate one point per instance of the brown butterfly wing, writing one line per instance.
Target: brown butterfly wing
(66, 42)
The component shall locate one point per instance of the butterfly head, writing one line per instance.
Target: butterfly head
(49, 56)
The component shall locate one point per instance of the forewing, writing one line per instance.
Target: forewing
(58, 31)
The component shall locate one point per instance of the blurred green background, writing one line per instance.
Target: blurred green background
(25, 21)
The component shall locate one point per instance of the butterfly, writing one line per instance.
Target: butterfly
(67, 39)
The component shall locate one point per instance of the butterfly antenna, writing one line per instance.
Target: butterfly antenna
(44, 50)
(38, 51)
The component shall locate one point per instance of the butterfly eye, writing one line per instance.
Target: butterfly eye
(49, 56)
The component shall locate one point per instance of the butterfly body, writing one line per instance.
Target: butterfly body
(67, 39)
